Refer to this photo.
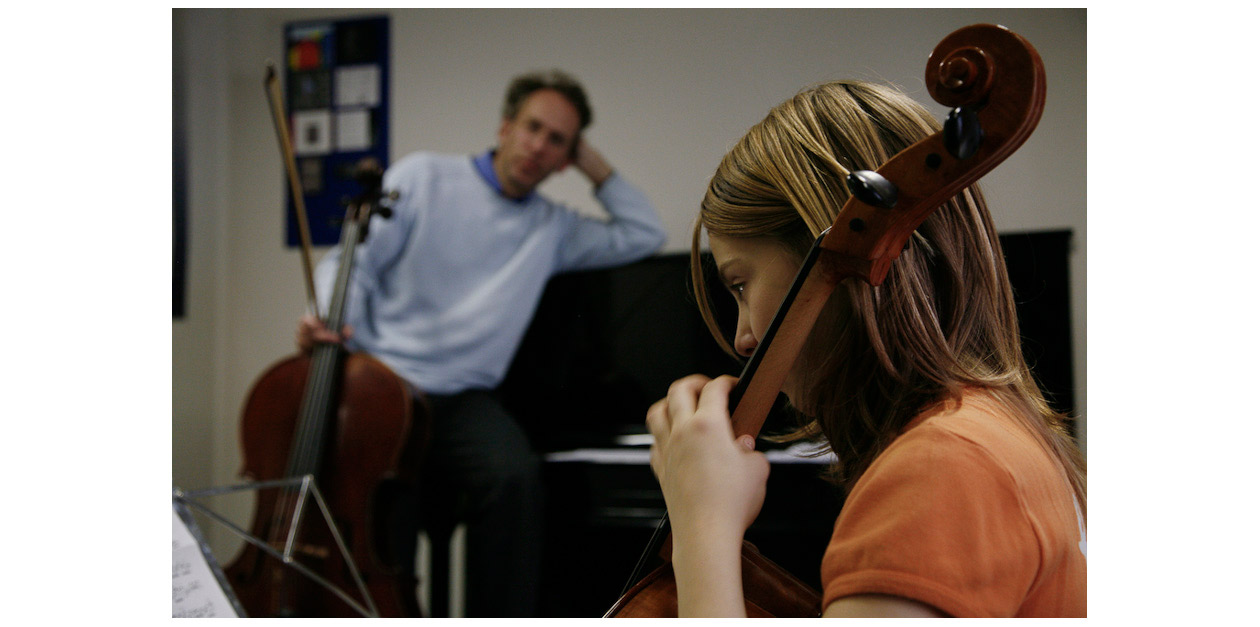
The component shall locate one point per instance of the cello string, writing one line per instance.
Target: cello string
(323, 370)
(653, 545)
(316, 409)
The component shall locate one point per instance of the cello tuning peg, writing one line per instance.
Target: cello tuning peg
(383, 207)
(872, 188)
(368, 171)
(963, 133)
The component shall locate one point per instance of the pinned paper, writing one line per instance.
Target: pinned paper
(312, 132)
(354, 130)
(358, 86)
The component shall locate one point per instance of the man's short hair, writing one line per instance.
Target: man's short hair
(522, 86)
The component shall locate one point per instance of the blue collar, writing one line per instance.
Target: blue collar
(485, 167)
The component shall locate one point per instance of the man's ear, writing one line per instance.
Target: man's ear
(503, 129)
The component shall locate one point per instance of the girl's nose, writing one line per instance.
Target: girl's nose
(745, 343)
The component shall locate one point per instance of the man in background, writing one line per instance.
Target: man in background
(444, 290)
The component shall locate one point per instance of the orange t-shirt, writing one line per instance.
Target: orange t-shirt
(965, 512)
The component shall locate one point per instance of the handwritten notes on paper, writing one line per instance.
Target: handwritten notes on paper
(196, 592)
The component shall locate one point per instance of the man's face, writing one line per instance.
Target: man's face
(537, 142)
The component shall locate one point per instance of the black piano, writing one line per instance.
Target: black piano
(616, 339)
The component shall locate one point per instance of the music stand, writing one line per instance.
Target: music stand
(307, 486)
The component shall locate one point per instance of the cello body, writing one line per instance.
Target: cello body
(369, 454)
(769, 592)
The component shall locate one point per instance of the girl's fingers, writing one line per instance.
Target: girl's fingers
(716, 395)
(682, 397)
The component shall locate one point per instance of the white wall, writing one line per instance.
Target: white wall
(671, 89)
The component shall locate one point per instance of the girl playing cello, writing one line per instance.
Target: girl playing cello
(965, 494)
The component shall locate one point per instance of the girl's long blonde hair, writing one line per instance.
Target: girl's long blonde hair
(943, 319)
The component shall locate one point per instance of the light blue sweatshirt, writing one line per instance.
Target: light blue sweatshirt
(444, 290)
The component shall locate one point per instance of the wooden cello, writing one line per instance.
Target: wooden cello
(347, 420)
(995, 82)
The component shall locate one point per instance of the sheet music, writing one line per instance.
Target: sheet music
(196, 592)
(637, 453)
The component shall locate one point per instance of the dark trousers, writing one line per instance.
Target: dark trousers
(480, 469)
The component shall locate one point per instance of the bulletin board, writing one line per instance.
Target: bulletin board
(337, 82)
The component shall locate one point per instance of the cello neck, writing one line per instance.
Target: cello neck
(351, 234)
(320, 394)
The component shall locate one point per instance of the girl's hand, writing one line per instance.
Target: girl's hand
(714, 487)
(713, 483)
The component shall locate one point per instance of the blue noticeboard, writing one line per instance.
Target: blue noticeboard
(336, 76)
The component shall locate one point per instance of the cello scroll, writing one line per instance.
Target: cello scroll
(998, 79)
